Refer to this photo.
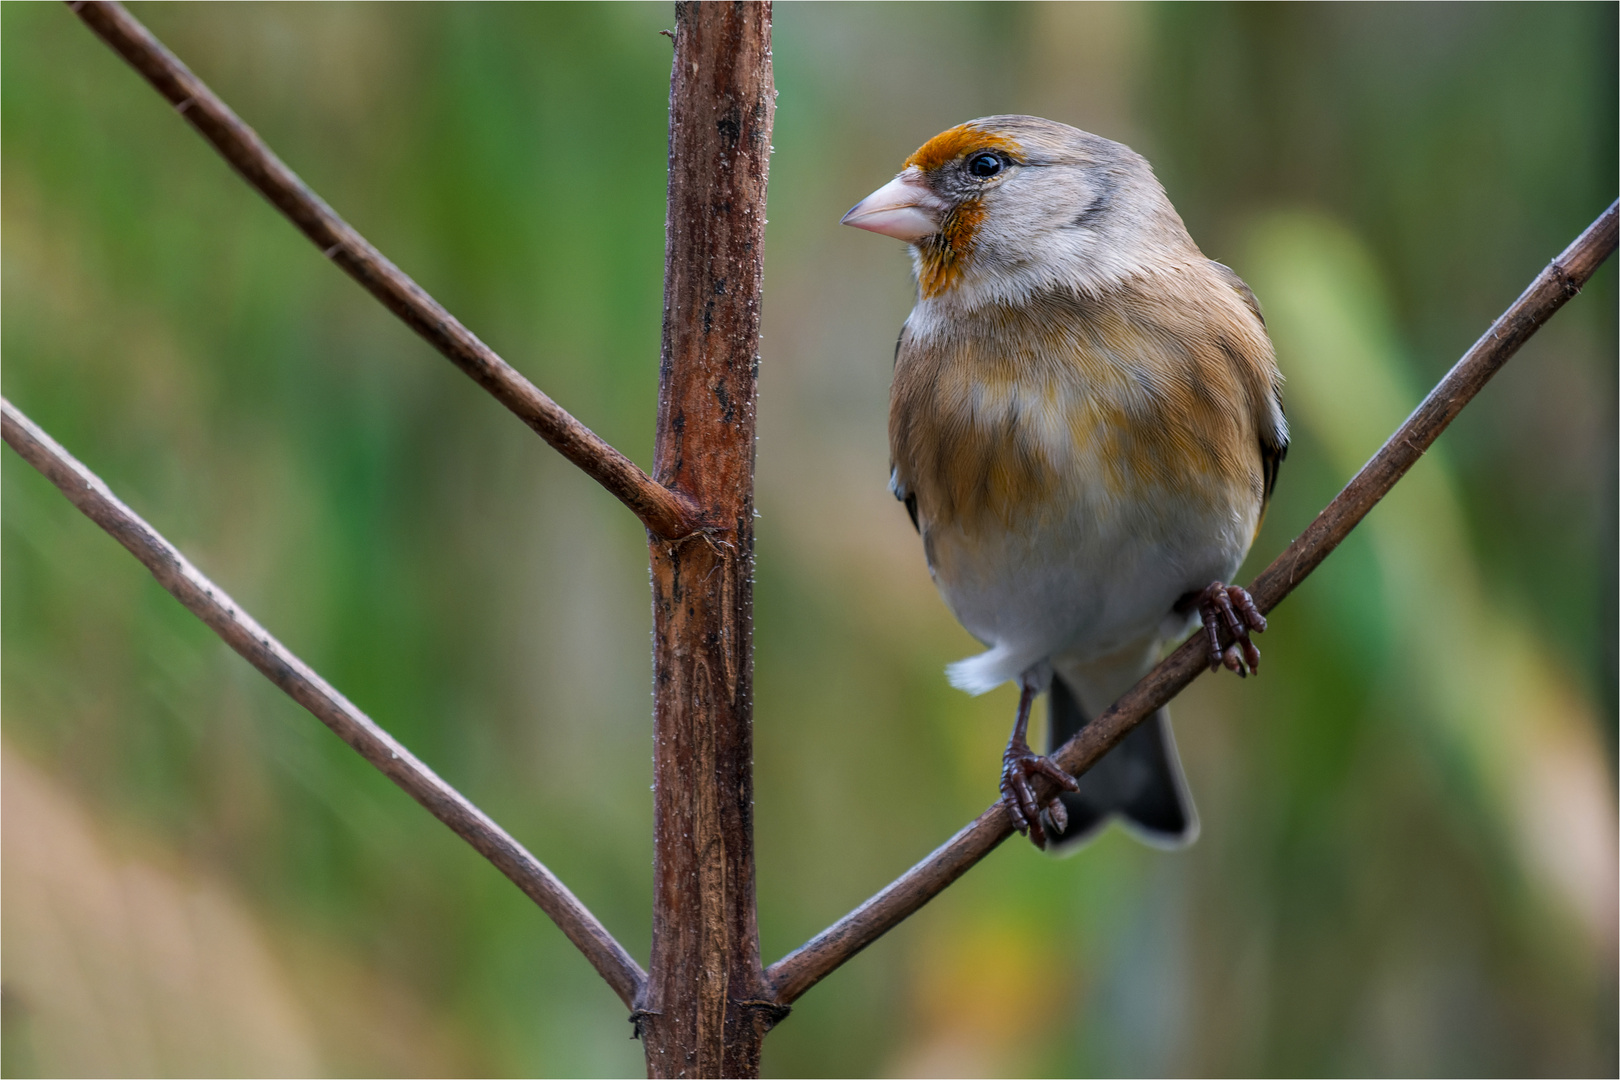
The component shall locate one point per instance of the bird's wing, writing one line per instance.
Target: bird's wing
(1273, 437)
(897, 487)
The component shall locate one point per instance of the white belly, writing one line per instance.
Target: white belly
(1084, 583)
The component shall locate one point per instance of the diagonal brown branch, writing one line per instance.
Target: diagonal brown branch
(209, 603)
(666, 513)
(1563, 278)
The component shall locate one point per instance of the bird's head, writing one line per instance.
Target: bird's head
(1000, 208)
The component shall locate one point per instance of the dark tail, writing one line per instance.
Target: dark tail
(1140, 781)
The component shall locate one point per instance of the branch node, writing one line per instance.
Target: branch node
(1567, 281)
(770, 1013)
(637, 1018)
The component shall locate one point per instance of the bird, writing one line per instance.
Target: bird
(1085, 428)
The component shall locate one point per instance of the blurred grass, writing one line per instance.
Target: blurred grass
(1367, 896)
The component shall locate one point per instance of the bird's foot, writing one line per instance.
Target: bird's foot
(1231, 608)
(1020, 766)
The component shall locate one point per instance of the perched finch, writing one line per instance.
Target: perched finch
(1085, 427)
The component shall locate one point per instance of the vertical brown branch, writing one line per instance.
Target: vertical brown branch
(707, 1006)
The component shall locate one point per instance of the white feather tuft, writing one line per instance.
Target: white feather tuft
(983, 673)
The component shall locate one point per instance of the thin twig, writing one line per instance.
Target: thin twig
(209, 603)
(666, 513)
(1562, 279)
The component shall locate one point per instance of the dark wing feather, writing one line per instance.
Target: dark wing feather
(905, 495)
(1271, 459)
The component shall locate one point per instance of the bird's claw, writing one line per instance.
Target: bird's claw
(1019, 767)
(1232, 608)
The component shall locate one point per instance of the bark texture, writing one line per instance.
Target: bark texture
(707, 1005)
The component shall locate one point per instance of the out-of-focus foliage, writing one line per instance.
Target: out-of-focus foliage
(1408, 857)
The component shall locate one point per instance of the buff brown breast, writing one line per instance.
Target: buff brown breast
(1085, 427)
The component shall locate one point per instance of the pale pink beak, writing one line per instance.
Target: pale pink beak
(903, 208)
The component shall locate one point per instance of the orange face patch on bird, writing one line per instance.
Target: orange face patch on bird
(1085, 425)
(960, 143)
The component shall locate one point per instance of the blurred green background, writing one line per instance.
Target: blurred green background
(1408, 861)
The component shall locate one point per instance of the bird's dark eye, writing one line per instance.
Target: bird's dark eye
(984, 166)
